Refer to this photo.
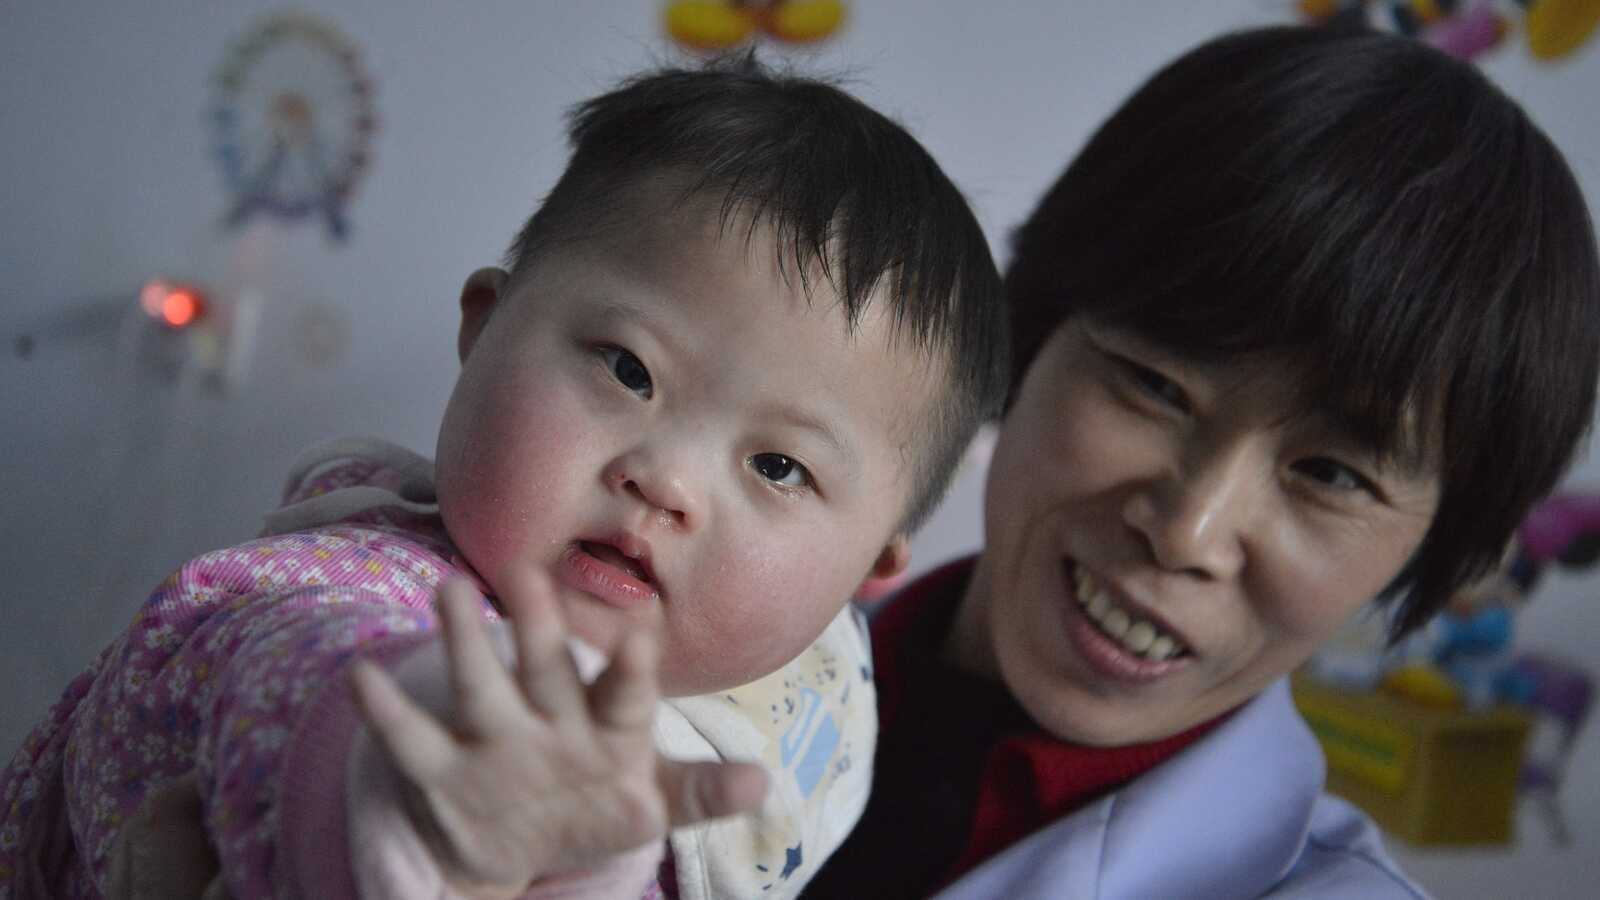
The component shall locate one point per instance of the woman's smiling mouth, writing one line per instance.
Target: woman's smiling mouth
(1116, 639)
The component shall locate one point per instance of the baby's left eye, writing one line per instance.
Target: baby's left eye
(629, 371)
(780, 470)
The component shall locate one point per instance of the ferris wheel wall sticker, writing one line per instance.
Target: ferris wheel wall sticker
(293, 121)
(712, 26)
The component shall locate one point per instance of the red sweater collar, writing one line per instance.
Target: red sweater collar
(1031, 778)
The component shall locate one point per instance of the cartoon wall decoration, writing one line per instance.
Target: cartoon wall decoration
(1552, 29)
(716, 25)
(293, 121)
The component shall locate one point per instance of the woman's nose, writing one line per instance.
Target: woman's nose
(1193, 518)
(658, 482)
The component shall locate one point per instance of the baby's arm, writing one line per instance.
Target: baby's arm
(521, 774)
(212, 684)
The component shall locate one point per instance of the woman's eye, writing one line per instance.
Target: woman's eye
(1158, 386)
(780, 470)
(1334, 474)
(628, 370)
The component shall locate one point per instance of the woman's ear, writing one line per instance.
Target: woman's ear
(479, 296)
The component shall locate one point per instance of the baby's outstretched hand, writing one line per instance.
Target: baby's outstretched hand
(536, 774)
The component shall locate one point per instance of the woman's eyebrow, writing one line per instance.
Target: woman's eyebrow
(1405, 455)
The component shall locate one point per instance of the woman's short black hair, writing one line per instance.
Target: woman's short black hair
(1377, 213)
(841, 185)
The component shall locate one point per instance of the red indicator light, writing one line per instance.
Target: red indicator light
(176, 306)
(153, 296)
(181, 307)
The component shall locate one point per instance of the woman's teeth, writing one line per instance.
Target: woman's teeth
(1137, 635)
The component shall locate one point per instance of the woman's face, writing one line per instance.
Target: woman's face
(1165, 539)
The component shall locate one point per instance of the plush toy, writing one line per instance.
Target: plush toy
(1473, 635)
(1464, 658)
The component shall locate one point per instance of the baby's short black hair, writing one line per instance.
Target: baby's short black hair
(1374, 211)
(841, 185)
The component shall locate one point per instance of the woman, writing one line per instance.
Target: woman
(1311, 319)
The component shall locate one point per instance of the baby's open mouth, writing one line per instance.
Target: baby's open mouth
(608, 554)
(1136, 634)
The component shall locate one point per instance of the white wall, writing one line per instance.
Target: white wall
(109, 478)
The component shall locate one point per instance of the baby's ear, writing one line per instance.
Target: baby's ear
(894, 558)
(887, 572)
(479, 296)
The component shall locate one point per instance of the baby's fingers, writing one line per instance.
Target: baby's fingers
(545, 670)
(696, 791)
(484, 694)
(417, 743)
(624, 696)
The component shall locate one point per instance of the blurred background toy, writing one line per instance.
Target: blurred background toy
(1470, 644)
(1472, 637)
(1561, 698)
(1402, 724)
(1466, 658)
(1554, 29)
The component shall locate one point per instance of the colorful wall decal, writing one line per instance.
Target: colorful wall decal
(1469, 28)
(293, 121)
(1558, 27)
(710, 25)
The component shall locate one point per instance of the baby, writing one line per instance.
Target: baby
(730, 365)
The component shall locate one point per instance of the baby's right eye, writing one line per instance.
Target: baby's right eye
(781, 470)
(628, 370)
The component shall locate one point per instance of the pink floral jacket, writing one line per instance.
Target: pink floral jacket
(231, 669)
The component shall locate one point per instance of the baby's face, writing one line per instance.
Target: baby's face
(659, 417)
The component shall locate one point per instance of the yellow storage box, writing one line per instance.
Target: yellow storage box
(1427, 775)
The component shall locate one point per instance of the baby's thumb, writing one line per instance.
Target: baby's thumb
(697, 791)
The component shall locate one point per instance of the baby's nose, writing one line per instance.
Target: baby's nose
(655, 485)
